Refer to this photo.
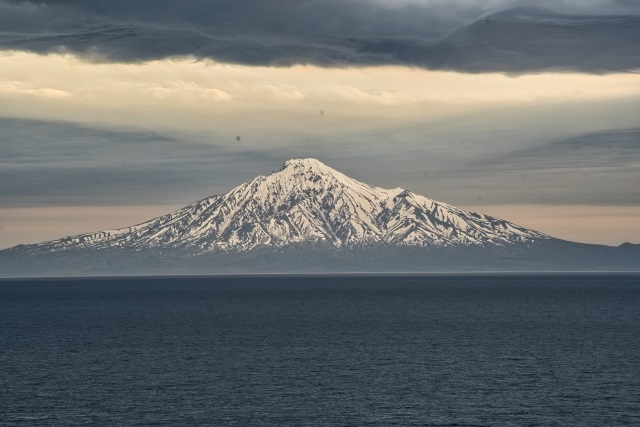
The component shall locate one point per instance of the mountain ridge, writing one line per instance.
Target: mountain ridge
(305, 201)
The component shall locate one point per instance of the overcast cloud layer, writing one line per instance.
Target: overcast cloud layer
(596, 36)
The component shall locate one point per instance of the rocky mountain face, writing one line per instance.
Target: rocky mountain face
(305, 202)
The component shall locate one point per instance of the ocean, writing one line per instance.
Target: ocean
(348, 350)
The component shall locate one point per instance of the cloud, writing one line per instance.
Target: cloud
(59, 164)
(599, 168)
(56, 164)
(20, 88)
(470, 36)
(619, 148)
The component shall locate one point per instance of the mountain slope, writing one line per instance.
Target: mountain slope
(305, 202)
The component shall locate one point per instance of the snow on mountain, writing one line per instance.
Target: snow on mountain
(306, 201)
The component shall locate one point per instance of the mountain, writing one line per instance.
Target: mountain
(306, 201)
(306, 214)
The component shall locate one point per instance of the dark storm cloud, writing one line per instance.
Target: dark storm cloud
(55, 164)
(472, 36)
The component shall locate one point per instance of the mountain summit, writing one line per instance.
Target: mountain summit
(306, 202)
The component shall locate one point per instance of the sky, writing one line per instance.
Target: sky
(114, 112)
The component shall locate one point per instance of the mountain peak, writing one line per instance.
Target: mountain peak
(308, 162)
(308, 165)
(304, 172)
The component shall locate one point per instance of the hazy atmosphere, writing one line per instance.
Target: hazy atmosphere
(115, 112)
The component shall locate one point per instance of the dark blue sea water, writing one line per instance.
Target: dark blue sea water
(345, 351)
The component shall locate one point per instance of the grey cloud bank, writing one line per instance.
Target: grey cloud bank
(56, 164)
(611, 149)
(468, 36)
(597, 168)
(59, 164)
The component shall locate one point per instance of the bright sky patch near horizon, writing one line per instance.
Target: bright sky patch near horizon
(94, 136)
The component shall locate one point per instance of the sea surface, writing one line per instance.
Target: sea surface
(448, 350)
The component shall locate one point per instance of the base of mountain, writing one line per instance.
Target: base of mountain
(551, 255)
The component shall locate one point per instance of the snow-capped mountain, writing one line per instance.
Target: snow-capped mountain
(306, 201)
